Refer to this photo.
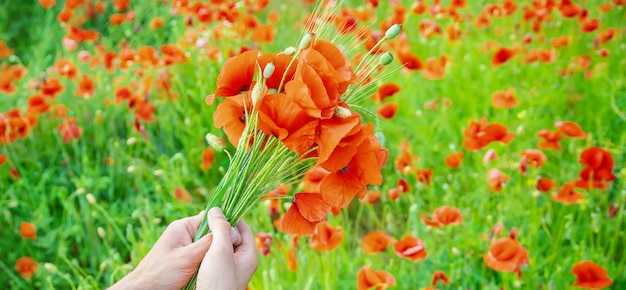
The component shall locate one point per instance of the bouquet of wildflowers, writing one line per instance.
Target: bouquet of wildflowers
(293, 112)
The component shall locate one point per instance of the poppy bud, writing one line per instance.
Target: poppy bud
(289, 51)
(101, 232)
(50, 267)
(342, 113)
(393, 31)
(268, 71)
(215, 142)
(91, 199)
(306, 40)
(385, 59)
(257, 93)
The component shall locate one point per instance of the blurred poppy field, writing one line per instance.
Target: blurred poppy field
(504, 122)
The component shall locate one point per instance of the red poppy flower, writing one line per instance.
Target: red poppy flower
(28, 230)
(404, 161)
(263, 242)
(478, 135)
(567, 195)
(411, 248)
(368, 278)
(571, 129)
(534, 157)
(86, 87)
(501, 56)
(434, 69)
(387, 110)
(454, 159)
(440, 275)
(182, 195)
(371, 197)
(551, 139)
(385, 91)
(47, 3)
(591, 275)
(598, 166)
(506, 255)
(444, 216)
(52, 87)
(504, 99)
(424, 176)
(545, 184)
(69, 130)
(376, 241)
(38, 104)
(496, 179)
(326, 237)
(208, 157)
(3, 158)
(349, 180)
(283, 118)
(231, 116)
(307, 209)
(26, 267)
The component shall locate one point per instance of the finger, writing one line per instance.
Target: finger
(246, 259)
(235, 237)
(180, 232)
(195, 252)
(221, 231)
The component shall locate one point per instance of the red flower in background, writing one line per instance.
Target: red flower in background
(591, 275)
(326, 237)
(598, 168)
(506, 255)
(368, 278)
(444, 216)
(454, 159)
(479, 135)
(376, 241)
(263, 242)
(70, 130)
(550, 139)
(411, 248)
(440, 276)
(545, 184)
(501, 56)
(571, 129)
(26, 267)
(496, 179)
(567, 195)
(28, 230)
(504, 99)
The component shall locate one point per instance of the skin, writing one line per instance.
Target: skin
(227, 257)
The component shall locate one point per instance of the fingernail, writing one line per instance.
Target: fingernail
(233, 234)
(216, 212)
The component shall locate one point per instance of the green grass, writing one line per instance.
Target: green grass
(134, 194)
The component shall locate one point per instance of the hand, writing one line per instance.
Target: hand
(228, 264)
(174, 258)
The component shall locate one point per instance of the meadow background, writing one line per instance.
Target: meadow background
(100, 201)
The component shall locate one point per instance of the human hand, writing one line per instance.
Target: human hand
(229, 264)
(174, 258)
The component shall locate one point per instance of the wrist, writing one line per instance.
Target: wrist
(131, 281)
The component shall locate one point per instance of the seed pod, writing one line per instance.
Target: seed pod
(393, 31)
(257, 93)
(306, 40)
(385, 59)
(342, 113)
(289, 51)
(268, 71)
